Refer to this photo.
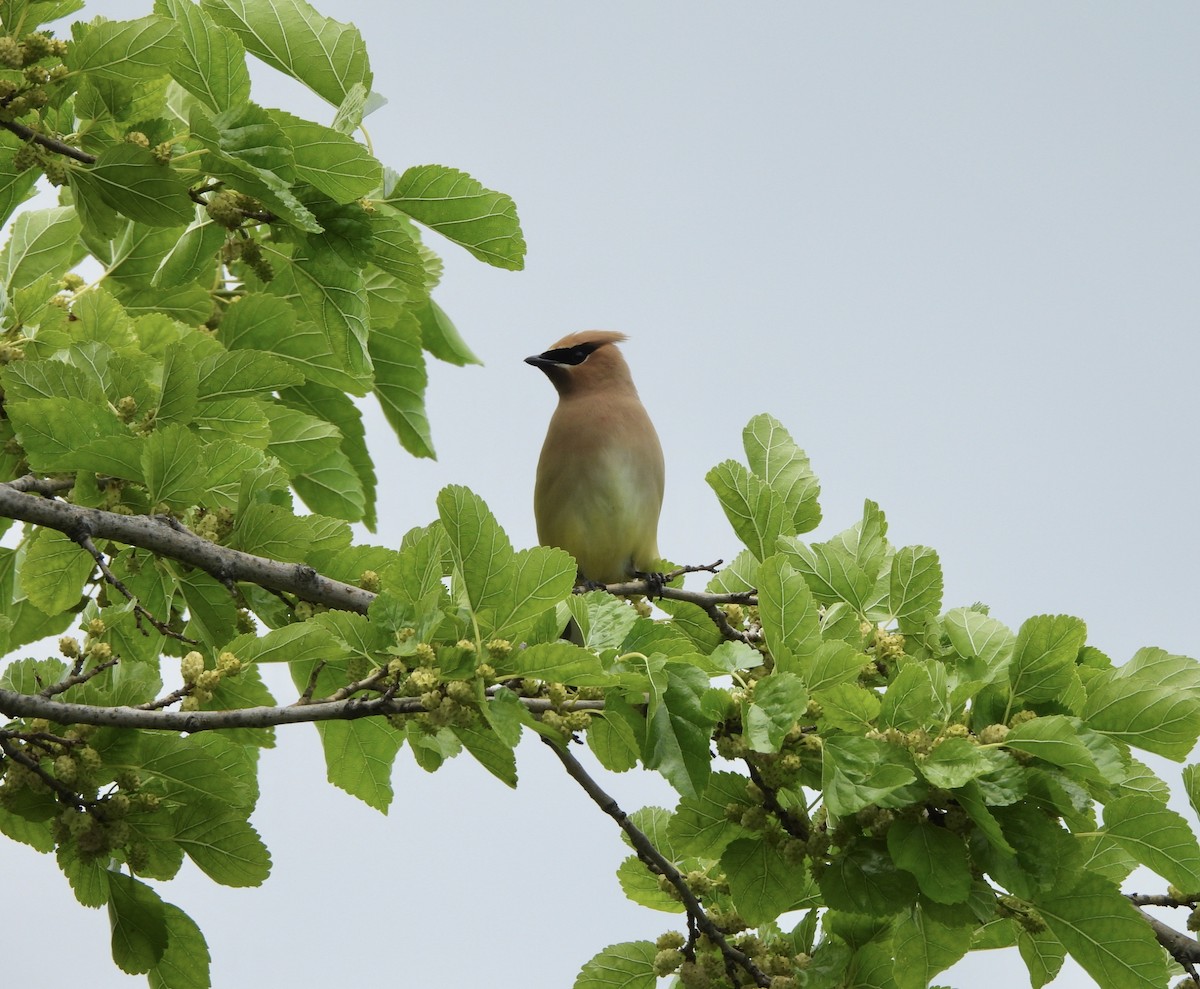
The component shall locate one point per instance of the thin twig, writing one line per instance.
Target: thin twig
(63, 792)
(77, 676)
(27, 133)
(139, 611)
(656, 860)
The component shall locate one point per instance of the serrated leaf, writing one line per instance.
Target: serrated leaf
(126, 49)
(1156, 718)
(440, 336)
(328, 57)
(613, 742)
(754, 509)
(937, 859)
(185, 963)
(543, 576)
(848, 707)
(134, 183)
(779, 702)
(482, 554)
(790, 622)
(858, 771)
(773, 456)
(832, 573)
(211, 62)
(53, 571)
(834, 663)
(329, 161)
(400, 381)
(462, 210)
(170, 457)
(640, 885)
(330, 339)
(495, 755)
(864, 879)
(1157, 837)
(956, 761)
(1043, 955)
(359, 756)
(42, 242)
(762, 883)
(223, 845)
(1056, 740)
(915, 587)
(301, 642)
(1104, 933)
(922, 948)
(139, 924)
(678, 729)
(700, 825)
(243, 373)
(1159, 667)
(620, 966)
(1043, 660)
(913, 700)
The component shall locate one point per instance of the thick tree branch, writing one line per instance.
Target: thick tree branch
(657, 861)
(1182, 948)
(168, 538)
(18, 705)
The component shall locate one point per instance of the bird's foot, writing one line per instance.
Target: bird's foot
(584, 585)
(655, 582)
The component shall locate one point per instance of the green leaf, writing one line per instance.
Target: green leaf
(863, 879)
(1191, 783)
(848, 707)
(1157, 837)
(185, 963)
(329, 161)
(223, 845)
(243, 374)
(1043, 954)
(613, 742)
(123, 50)
(1043, 661)
(789, 616)
(1055, 739)
(482, 554)
(440, 336)
(359, 756)
(762, 883)
(956, 761)
(211, 63)
(832, 574)
(922, 947)
(937, 859)
(186, 769)
(678, 729)
(779, 702)
(170, 457)
(462, 210)
(620, 966)
(859, 771)
(1157, 666)
(754, 509)
(303, 641)
(1104, 933)
(16, 185)
(1159, 719)
(400, 381)
(42, 242)
(544, 576)
(139, 924)
(834, 663)
(775, 458)
(640, 885)
(54, 570)
(330, 340)
(193, 256)
(916, 587)
(134, 183)
(495, 755)
(700, 825)
(913, 700)
(328, 57)
(974, 634)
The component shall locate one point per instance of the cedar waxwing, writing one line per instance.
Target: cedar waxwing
(599, 484)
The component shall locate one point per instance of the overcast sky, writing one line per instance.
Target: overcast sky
(953, 247)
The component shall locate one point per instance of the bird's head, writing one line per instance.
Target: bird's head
(584, 362)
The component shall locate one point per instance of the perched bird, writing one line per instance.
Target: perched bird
(599, 484)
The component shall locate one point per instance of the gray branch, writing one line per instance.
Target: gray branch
(166, 537)
(18, 705)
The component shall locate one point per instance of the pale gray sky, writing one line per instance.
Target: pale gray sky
(953, 247)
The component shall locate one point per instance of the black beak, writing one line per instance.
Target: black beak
(538, 360)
